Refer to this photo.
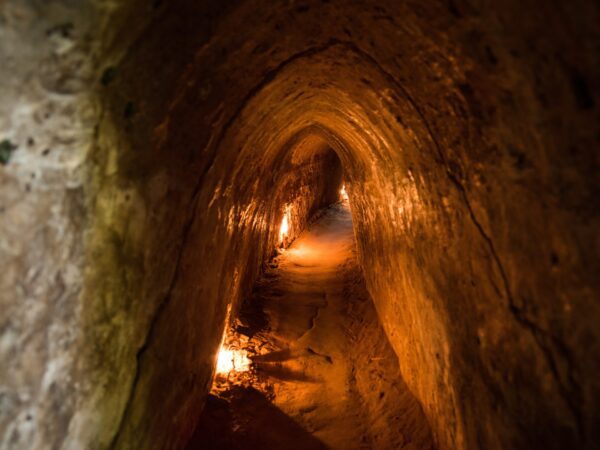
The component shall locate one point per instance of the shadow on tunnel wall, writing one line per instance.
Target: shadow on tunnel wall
(257, 425)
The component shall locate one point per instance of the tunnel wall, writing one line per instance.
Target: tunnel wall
(467, 133)
(200, 229)
(231, 233)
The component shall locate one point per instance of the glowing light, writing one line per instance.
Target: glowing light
(285, 224)
(230, 360)
(343, 193)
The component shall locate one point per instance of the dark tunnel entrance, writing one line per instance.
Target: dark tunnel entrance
(305, 176)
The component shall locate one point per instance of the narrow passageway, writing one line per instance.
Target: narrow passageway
(323, 373)
(151, 152)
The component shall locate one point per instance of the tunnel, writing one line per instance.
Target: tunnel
(299, 224)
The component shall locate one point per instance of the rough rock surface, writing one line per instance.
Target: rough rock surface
(47, 115)
(162, 141)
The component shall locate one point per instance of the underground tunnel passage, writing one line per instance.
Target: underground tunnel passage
(299, 224)
(306, 364)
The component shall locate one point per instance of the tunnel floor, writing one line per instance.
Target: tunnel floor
(323, 373)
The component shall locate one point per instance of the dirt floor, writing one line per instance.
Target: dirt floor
(323, 374)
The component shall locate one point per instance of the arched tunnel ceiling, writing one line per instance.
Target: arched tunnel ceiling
(467, 135)
(431, 110)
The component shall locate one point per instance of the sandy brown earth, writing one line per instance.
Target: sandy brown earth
(324, 374)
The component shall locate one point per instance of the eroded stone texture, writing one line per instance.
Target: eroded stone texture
(468, 137)
(47, 114)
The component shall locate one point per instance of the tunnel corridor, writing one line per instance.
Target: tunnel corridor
(171, 201)
(323, 373)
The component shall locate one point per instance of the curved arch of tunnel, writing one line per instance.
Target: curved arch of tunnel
(338, 141)
(412, 135)
(322, 96)
(315, 147)
(149, 151)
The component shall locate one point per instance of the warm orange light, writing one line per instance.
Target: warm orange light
(230, 360)
(285, 224)
(343, 193)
